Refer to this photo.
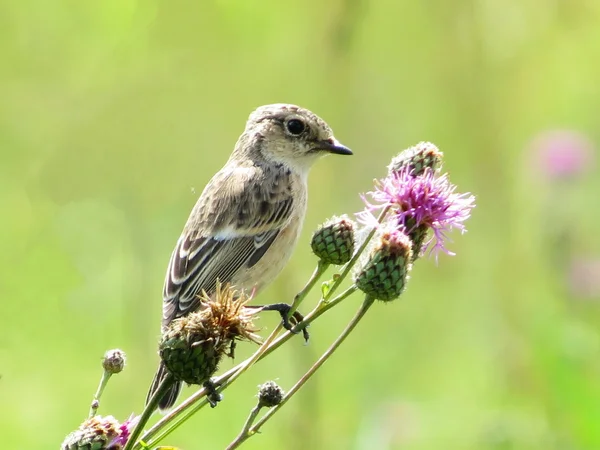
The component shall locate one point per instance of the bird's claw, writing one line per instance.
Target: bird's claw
(289, 322)
(212, 395)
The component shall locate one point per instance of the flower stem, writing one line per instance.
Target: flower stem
(368, 302)
(222, 382)
(166, 383)
(196, 401)
(321, 267)
(319, 270)
(245, 433)
(96, 402)
(318, 311)
(173, 420)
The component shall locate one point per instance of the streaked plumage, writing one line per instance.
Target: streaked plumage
(247, 220)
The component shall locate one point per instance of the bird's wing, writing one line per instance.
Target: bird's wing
(235, 221)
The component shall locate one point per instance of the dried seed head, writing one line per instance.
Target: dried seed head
(333, 242)
(270, 394)
(114, 361)
(192, 346)
(419, 157)
(385, 273)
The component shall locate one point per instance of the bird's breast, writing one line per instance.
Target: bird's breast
(262, 273)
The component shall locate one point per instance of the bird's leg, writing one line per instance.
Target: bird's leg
(231, 352)
(212, 395)
(284, 309)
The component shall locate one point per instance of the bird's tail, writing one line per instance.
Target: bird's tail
(170, 397)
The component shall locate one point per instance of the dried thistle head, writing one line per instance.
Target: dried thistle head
(225, 314)
(193, 346)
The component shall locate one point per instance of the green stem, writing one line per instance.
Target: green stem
(196, 401)
(245, 433)
(96, 402)
(319, 270)
(319, 310)
(170, 421)
(368, 302)
(164, 386)
(321, 267)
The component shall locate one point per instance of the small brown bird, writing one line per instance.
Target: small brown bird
(247, 220)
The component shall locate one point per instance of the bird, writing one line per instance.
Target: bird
(247, 220)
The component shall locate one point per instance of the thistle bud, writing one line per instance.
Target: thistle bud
(333, 242)
(419, 157)
(385, 273)
(96, 433)
(193, 346)
(417, 234)
(270, 394)
(114, 361)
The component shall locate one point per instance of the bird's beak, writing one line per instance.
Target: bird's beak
(333, 146)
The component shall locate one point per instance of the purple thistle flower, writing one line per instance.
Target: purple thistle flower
(563, 154)
(427, 201)
(124, 432)
(584, 278)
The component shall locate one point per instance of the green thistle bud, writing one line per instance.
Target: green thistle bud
(96, 433)
(385, 273)
(114, 361)
(192, 346)
(333, 242)
(419, 157)
(417, 236)
(270, 394)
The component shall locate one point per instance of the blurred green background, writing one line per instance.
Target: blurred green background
(115, 114)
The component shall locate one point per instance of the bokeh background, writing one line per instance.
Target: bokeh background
(115, 114)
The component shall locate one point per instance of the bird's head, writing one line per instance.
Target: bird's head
(290, 135)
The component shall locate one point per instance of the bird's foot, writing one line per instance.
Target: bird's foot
(288, 321)
(212, 395)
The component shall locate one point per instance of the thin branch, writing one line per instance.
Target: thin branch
(245, 433)
(96, 401)
(196, 401)
(368, 302)
(164, 386)
(319, 270)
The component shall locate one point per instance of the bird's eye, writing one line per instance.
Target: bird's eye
(295, 127)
